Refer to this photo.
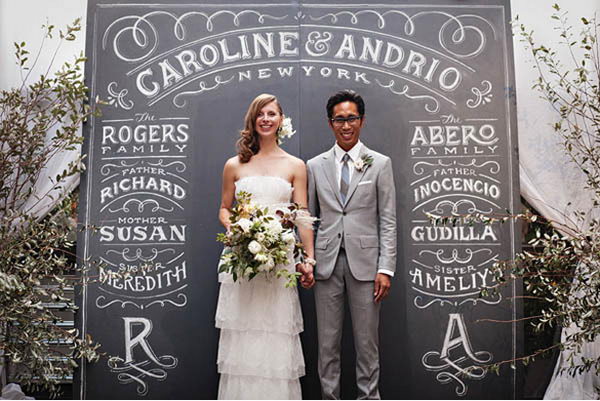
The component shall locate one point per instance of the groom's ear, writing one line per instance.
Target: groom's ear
(362, 121)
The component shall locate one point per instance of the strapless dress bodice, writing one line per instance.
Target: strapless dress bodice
(266, 190)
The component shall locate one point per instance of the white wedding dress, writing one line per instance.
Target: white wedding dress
(260, 355)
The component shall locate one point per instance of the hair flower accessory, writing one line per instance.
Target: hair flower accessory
(364, 162)
(285, 130)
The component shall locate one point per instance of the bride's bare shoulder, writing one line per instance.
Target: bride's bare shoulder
(233, 162)
(294, 161)
(297, 166)
(231, 168)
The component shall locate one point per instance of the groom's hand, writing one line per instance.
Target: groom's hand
(307, 280)
(382, 286)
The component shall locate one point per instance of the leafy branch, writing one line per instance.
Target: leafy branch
(39, 121)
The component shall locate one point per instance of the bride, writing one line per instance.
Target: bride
(260, 356)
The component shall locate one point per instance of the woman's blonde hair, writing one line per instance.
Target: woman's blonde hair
(248, 145)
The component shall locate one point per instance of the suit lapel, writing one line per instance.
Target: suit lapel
(330, 173)
(357, 175)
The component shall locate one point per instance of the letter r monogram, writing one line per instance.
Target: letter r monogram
(140, 339)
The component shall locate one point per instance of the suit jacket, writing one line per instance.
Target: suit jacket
(366, 223)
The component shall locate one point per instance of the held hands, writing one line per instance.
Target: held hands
(307, 280)
(382, 287)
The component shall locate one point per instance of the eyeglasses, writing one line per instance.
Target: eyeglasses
(339, 121)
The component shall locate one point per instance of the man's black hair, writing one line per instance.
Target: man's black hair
(346, 95)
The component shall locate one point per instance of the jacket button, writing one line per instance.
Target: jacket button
(343, 213)
(339, 235)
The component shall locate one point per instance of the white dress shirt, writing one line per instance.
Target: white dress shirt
(339, 153)
(354, 155)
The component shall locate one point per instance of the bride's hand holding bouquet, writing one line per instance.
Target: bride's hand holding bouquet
(262, 241)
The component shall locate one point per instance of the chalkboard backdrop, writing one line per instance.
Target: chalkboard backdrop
(437, 79)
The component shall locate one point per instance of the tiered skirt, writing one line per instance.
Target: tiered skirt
(260, 355)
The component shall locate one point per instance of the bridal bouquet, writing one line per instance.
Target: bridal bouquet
(261, 242)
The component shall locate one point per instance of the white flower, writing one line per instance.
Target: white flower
(248, 271)
(260, 257)
(285, 130)
(260, 237)
(251, 207)
(244, 224)
(364, 162)
(270, 263)
(254, 247)
(288, 237)
(274, 227)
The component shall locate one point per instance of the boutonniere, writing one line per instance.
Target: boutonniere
(363, 163)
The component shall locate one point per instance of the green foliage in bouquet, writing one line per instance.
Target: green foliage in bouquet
(39, 120)
(259, 242)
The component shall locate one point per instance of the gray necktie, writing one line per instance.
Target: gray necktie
(344, 177)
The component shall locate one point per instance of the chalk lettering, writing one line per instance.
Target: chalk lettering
(456, 184)
(172, 233)
(459, 233)
(141, 183)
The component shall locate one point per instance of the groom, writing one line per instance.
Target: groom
(351, 190)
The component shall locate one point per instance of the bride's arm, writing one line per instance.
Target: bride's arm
(227, 191)
(300, 197)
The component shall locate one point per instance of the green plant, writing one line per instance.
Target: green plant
(561, 269)
(564, 268)
(39, 120)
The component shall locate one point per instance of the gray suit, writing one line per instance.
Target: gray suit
(352, 242)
